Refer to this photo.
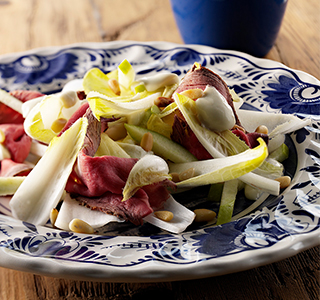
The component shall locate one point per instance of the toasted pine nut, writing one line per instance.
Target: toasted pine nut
(262, 129)
(187, 174)
(284, 181)
(175, 177)
(114, 86)
(117, 131)
(2, 136)
(204, 215)
(164, 215)
(58, 125)
(193, 93)
(53, 216)
(69, 98)
(147, 142)
(79, 226)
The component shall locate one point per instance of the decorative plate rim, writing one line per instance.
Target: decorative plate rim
(170, 256)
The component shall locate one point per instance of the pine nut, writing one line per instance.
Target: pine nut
(262, 129)
(204, 215)
(114, 86)
(58, 125)
(187, 174)
(284, 181)
(147, 142)
(193, 93)
(175, 177)
(164, 215)
(117, 131)
(2, 136)
(69, 98)
(79, 226)
(53, 216)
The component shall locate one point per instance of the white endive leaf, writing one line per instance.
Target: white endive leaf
(104, 106)
(183, 217)
(134, 151)
(71, 209)
(43, 187)
(276, 123)
(148, 170)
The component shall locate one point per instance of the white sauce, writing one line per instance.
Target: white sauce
(214, 112)
(73, 85)
(154, 82)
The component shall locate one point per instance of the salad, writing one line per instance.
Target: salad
(116, 147)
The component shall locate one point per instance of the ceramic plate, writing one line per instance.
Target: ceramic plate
(268, 231)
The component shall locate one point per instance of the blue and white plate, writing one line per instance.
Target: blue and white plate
(275, 229)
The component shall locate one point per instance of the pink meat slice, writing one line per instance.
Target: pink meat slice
(11, 168)
(10, 116)
(17, 141)
(200, 78)
(97, 182)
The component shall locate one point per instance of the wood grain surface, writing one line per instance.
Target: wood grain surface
(28, 24)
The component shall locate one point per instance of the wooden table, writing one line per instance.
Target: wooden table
(27, 24)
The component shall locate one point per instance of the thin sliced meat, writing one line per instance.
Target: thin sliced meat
(183, 135)
(10, 168)
(76, 115)
(9, 115)
(17, 141)
(97, 182)
(250, 138)
(100, 175)
(80, 112)
(134, 209)
(200, 77)
(24, 95)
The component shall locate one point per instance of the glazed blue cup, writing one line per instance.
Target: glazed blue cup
(250, 26)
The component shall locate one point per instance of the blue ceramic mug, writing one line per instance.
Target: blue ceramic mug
(249, 26)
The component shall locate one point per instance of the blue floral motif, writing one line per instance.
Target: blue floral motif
(35, 69)
(293, 97)
(185, 57)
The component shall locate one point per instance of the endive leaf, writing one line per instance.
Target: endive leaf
(222, 169)
(97, 81)
(210, 140)
(71, 209)
(43, 187)
(110, 147)
(103, 106)
(183, 217)
(148, 170)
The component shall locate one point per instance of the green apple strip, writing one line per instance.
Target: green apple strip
(229, 194)
(43, 187)
(162, 146)
(9, 185)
